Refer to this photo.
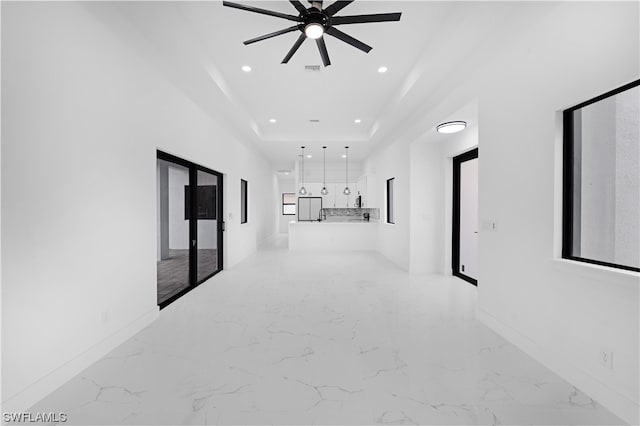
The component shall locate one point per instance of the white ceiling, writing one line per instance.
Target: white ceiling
(198, 45)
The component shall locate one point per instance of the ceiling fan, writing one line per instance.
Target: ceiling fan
(315, 21)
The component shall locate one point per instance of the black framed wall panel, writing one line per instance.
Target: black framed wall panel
(390, 201)
(244, 201)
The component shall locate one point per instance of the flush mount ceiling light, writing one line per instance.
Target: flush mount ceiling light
(272, 120)
(357, 121)
(346, 190)
(451, 127)
(309, 155)
(302, 190)
(324, 190)
(246, 68)
(382, 70)
(314, 22)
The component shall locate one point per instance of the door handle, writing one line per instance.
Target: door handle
(223, 226)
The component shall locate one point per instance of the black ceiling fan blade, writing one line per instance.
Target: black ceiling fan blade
(262, 11)
(299, 6)
(362, 19)
(348, 39)
(336, 7)
(273, 34)
(322, 47)
(294, 48)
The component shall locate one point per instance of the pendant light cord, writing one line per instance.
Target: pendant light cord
(324, 166)
(346, 158)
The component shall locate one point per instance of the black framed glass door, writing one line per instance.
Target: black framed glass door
(189, 226)
(465, 217)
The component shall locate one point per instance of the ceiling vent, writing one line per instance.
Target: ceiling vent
(314, 120)
(312, 68)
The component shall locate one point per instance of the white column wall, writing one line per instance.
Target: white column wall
(83, 115)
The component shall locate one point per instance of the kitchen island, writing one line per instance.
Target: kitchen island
(354, 234)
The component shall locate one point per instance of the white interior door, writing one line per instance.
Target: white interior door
(469, 218)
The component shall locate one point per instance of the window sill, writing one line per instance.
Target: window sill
(598, 272)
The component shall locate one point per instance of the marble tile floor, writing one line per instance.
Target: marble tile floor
(321, 338)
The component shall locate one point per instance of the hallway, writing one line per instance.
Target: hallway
(321, 338)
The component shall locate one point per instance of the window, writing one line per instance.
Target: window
(289, 201)
(390, 217)
(243, 201)
(601, 180)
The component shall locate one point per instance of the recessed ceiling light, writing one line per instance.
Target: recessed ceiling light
(309, 155)
(272, 120)
(357, 121)
(344, 155)
(451, 127)
(382, 70)
(246, 68)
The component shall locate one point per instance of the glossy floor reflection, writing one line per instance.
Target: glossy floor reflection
(321, 338)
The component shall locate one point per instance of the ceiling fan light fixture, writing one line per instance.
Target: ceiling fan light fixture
(324, 190)
(313, 22)
(346, 190)
(314, 30)
(451, 126)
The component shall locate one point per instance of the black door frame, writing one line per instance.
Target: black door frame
(193, 222)
(455, 239)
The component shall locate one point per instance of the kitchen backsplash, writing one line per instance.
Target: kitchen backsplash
(373, 213)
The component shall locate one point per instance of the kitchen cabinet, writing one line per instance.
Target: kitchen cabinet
(344, 201)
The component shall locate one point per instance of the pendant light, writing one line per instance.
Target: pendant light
(324, 190)
(303, 190)
(346, 190)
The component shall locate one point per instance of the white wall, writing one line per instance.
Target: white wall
(82, 118)
(284, 185)
(391, 162)
(562, 313)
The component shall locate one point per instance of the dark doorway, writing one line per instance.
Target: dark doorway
(465, 217)
(190, 226)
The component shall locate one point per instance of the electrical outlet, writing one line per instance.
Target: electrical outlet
(489, 225)
(606, 358)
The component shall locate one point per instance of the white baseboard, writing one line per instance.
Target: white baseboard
(26, 398)
(618, 404)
